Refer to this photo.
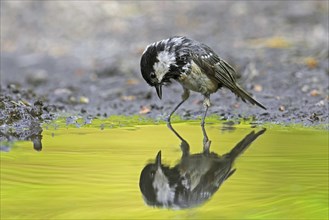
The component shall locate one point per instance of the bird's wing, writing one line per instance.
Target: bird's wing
(220, 71)
(213, 179)
(215, 67)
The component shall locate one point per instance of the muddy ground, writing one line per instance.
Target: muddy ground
(78, 58)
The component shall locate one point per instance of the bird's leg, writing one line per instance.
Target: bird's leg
(206, 147)
(184, 146)
(185, 96)
(206, 142)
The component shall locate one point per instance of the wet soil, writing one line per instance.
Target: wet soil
(82, 59)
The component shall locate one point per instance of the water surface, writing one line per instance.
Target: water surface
(93, 172)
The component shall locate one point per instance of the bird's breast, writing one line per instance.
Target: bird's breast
(198, 81)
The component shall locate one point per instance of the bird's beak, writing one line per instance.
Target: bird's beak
(158, 159)
(158, 88)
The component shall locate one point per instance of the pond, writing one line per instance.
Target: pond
(93, 172)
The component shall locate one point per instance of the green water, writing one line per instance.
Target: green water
(93, 173)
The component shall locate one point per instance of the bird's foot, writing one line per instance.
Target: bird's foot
(168, 119)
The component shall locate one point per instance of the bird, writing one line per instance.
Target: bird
(193, 180)
(194, 65)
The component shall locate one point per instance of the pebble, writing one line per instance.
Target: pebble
(84, 100)
(144, 110)
(311, 62)
(314, 92)
(258, 88)
(37, 77)
(321, 103)
(62, 91)
(128, 98)
(305, 88)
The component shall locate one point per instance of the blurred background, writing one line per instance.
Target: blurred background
(84, 56)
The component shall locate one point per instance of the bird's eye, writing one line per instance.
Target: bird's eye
(152, 75)
(152, 174)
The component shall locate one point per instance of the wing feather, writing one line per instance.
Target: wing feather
(220, 71)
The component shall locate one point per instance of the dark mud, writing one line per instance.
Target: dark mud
(21, 119)
(82, 59)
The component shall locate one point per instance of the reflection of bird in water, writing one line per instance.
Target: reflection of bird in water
(193, 180)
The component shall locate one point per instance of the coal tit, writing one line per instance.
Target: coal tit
(194, 65)
(193, 180)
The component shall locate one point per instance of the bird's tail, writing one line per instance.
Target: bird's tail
(243, 145)
(226, 75)
(245, 96)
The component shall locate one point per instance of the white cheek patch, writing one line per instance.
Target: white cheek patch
(164, 194)
(163, 65)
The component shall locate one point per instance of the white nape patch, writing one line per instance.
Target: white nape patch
(177, 40)
(164, 194)
(164, 41)
(161, 67)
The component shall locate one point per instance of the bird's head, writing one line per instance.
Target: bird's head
(157, 183)
(158, 63)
